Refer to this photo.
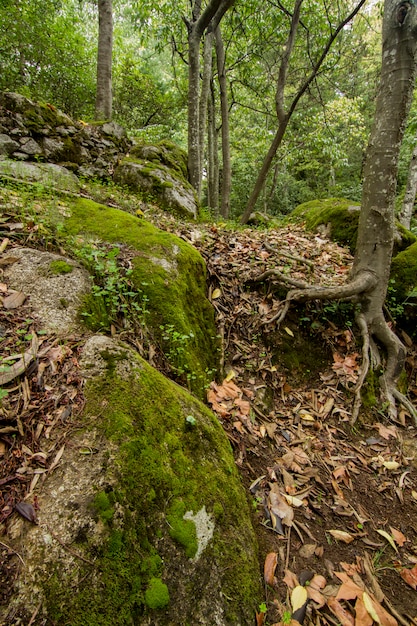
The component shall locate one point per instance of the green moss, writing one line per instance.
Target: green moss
(404, 272)
(164, 470)
(182, 530)
(369, 390)
(169, 272)
(407, 238)
(156, 595)
(103, 506)
(165, 153)
(340, 213)
(60, 267)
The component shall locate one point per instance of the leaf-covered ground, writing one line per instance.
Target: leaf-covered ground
(335, 505)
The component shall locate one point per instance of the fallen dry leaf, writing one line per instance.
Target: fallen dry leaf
(15, 300)
(410, 576)
(398, 536)
(362, 617)
(341, 535)
(270, 565)
(343, 615)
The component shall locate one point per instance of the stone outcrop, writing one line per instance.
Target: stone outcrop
(162, 170)
(39, 135)
(156, 518)
(31, 131)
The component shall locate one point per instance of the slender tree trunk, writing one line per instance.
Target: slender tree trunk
(227, 169)
(283, 115)
(407, 207)
(104, 60)
(213, 157)
(208, 19)
(204, 98)
(194, 168)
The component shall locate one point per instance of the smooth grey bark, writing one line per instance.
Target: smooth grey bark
(407, 207)
(205, 94)
(104, 60)
(283, 115)
(213, 157)
(196, 26)
(226, 162)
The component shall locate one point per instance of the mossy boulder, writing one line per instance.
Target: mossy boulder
(152, 510)
(160, 171)
(38, 116)
(170, 276)
(46, 174)
(404, 274)
(338, 219)
(163, 153)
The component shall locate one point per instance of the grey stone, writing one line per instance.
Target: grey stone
(173, 192)
(113, 129)
(7, 145)
(30, 146)
(48, 174)
(55, 298)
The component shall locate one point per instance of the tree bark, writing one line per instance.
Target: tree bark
(196, 26)
(213, 157)
(371, 268)
(227, 169)
(283, 115)
(104, 61)
(407, 207)
(204, 98)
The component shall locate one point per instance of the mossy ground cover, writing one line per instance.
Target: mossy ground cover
(164, 469)
(337, 212)
(170, 273)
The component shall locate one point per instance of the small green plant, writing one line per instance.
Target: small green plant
(112, 296)
(177, 345)
(393, 303)
(286, 617)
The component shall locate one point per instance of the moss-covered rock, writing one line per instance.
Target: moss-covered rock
(127, 482)
(404, 272)
(338, 219)
(170, 275)
(47, 174)
(166, 153)
(160, 170)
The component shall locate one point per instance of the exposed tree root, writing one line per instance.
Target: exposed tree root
(363, 326)
(372, 327)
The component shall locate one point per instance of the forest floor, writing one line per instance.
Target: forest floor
(334, 504)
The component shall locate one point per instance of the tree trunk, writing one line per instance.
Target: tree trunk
(376, 222)
(213, 157)
(209, 19)
(193, 111)
(204, 98)
(407, 207)
(283, 115)
(104, 60)
(368, 282)
(227, 169)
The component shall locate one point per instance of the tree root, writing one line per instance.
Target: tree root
(361, 283)
(375, 327)
(363, 326)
